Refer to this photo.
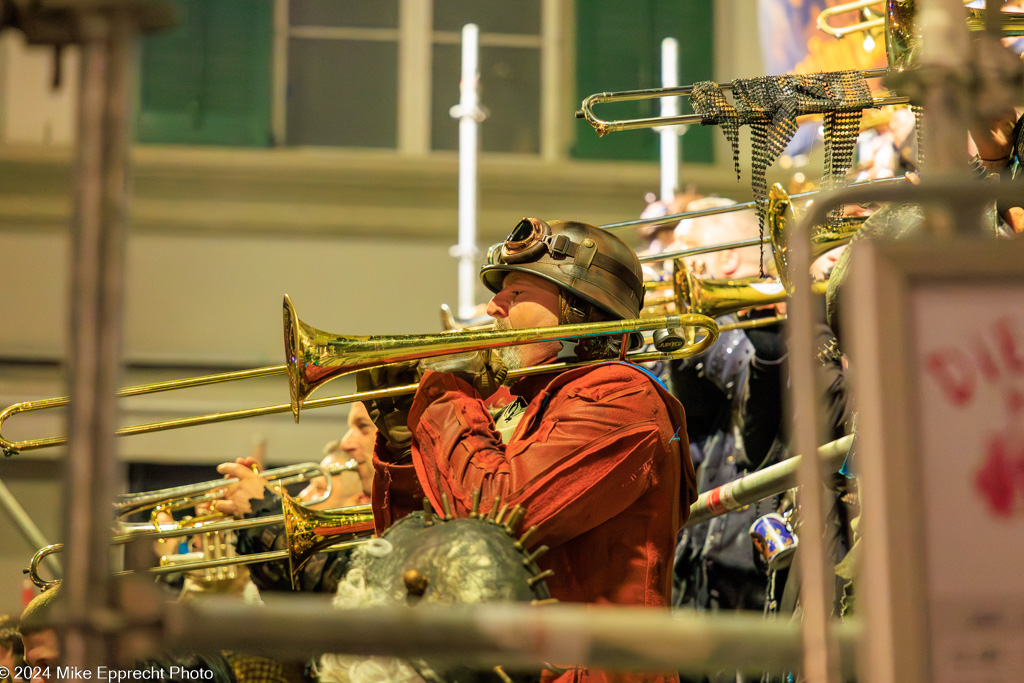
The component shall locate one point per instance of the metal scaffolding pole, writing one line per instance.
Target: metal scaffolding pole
(513, 635)
(106, 32)
(951, 193)
(98, 237)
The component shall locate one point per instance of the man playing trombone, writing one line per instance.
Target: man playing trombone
(596, 456)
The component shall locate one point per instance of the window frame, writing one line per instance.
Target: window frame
(415, 38)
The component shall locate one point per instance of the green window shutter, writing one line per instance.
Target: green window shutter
(207, 81)
(618, 47)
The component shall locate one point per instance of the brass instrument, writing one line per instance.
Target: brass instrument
(307, 532)
(898, 22)
(902, 38)
(314, 357)
(779, 214)
(603, 127)
(872, 19)
(310, 531)
(714, 297)
(178, 497)
(715, 210)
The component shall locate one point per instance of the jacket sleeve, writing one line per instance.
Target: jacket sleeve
(396, 490)
(580, 456)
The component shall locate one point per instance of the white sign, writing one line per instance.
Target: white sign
(968, 343)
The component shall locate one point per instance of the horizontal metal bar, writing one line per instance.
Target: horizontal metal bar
(767, 482)
(515, 636)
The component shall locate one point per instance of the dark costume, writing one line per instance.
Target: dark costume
(733, 399)
(599, 461)
(733, 396)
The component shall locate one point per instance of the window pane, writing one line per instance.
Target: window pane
(492, 16)
(342, 93)
(509, 90)
(207, 81)
(358, 13)
(619, 48)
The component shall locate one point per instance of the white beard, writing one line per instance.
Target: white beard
(509, 355)
(535, 352)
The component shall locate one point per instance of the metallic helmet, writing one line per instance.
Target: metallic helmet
(587, 261)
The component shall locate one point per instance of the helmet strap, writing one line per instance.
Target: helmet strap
(573, 310)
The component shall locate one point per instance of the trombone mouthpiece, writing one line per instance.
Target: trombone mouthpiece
(669, 340)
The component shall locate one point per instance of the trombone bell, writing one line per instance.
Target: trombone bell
(308, 531)
(713, 297)
(779, 214)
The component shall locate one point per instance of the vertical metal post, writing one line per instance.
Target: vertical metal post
(669, 135)
(279, 74)
(820, 661)
(942, 81)
(469, 114)
(98, 244)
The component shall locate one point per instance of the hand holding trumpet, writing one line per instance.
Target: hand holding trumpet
(236, 498)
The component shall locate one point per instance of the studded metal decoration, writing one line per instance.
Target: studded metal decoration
(770, 105)
(435, 557)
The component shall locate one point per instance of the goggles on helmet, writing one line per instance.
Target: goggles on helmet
(529, 241)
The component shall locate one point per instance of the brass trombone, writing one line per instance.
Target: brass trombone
(603, 127)
(901, 38)
(315, 356)
(311, 531)
(715, 210)
(870, 21)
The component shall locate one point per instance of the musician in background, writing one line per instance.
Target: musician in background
(596, 456)
(346, 486)
(998, 148)
(250, 498)
(661, 237)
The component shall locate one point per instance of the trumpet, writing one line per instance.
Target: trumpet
(314, 357)
(307, 532)
(190, 495)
